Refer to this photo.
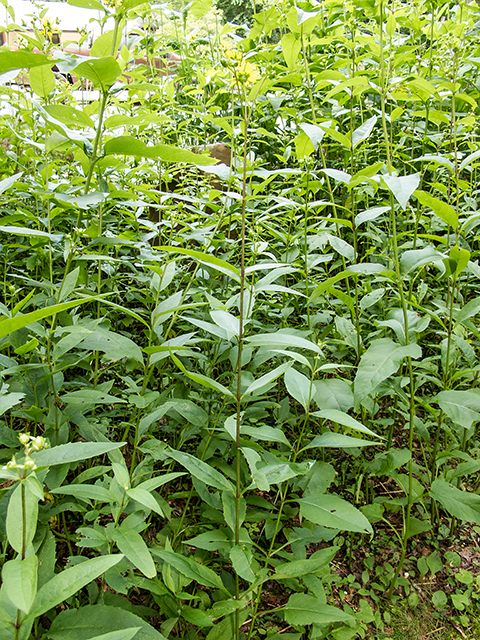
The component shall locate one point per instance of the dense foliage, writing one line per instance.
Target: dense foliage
(241, 402)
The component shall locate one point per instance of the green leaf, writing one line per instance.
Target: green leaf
(291, 46)
(93, 492)
(402, 187)
(9, 325)
(297, 568)
(90, 397)
(414, 258)
(9, 400)
(240, 563)
(121, 634)
(261, 383)
(443, 210)
(339, 440)
(328, 283)
(363, 131)
(197, 617)
(20, 581)
(207, 259)
(463, 407)
(72, 452)
(282, 340)
(113, 345)
(102, 72)
(21, 530)
(88, 622)
(205, 381)
(88, 4)
(132, 545)
(190, 569)
(333, 393)
(303, 609)
(469, 310)
(347, 421)
(128, 146)
(381, 360)
(12, 60)
(201, 470)
(42, 80)
(460, 504)
(69, 581)
(299, 387)
(332, 511)
(146, 499)
(104, 45)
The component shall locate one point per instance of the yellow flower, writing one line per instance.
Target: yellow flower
(247, 73)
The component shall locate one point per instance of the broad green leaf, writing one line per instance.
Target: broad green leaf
(88, 622)
(133, 547)
(303, 146)
(339, 441)
(104, 45)
(282, 340)
(102, 72)
(443, 210)
(72, 452)
(22, 514)
(460, 504)
(332, 511)
(190, 569)
(214, 540)
(457, 261)
(347, 421)
(316, 562)
(121, 634)
(202, 470)
(113, 345)
(291, 46)
(128, 146)
(90, 397)
(87, 4)
(370, 214)
(42, 80)
(199, 9)
(9, 325)
(314, 132)
(303, 609)
(205, 381)
(333, 393)
(327, 284)
(269, 434)
(463, 407)
(363, 131)
(85, 492)
(414, 258)
(299, 386)
(197, 617)
(207, 259)
(381, 360)
(10, 400)
(69, 283)
(264, 381)
(468, 311)
(146, 499)
(402, 187)
(69, 581)
(226, 321)
(240, 563)
(470, 158)
(20, 581)
(11, 60)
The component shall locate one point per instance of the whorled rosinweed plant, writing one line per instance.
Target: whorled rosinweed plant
(240, 372)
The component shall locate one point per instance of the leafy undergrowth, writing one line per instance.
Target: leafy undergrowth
(241, 400)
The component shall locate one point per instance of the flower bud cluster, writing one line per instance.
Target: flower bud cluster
(31, 443)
